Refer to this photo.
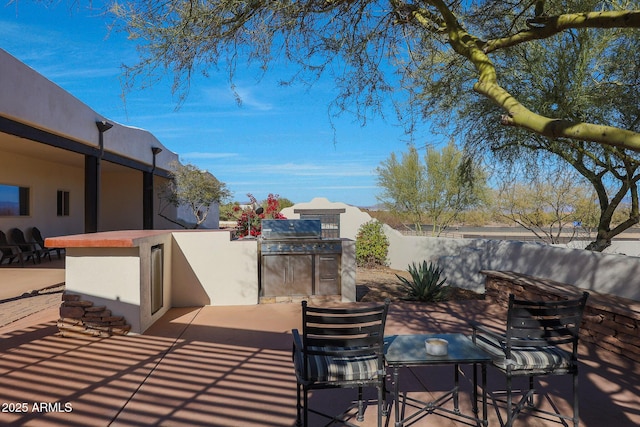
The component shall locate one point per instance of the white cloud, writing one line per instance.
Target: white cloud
(247, 96)
(250, 99)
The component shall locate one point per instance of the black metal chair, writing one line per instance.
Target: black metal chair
(27, 248)
(541, 339)
(340, 348)
(11, 252)
(37, 236)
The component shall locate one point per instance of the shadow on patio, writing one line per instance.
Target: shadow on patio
(231, 366)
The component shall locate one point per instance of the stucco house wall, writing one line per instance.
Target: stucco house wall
(48, 141)
(44, 180)
(120, 207)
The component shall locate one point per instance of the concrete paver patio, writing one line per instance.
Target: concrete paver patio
(231, 366)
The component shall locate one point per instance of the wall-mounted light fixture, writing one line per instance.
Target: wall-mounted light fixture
(104, 125)
(155, 151)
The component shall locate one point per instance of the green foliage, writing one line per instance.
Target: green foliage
(228, 211)
(403, 185)
(372, 245)
(425, 285)
(194, 188)
(283, 202)
(437, 189)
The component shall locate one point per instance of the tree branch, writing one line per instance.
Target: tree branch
(553, 25)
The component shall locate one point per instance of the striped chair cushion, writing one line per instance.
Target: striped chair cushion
(540, 359)
(336, 368)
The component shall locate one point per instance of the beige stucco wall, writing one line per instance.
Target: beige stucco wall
(44, 179)
(146, 317)
(211, 269)
(462, 259)
(121, 200)
(107, 277)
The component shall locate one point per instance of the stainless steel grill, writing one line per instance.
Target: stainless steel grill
(296, 261)
(288, 229)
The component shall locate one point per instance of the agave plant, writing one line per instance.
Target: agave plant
(425, 285)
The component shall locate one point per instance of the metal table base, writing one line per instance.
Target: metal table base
(409, 350)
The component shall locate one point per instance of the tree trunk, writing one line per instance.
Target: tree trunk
(603, 239)
(599, 245)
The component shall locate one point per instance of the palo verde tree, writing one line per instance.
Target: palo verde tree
(194, 189)
(455, 183)
(436, 188)
(555, 205)
(373, 48)
(582, 75)
(403, 185)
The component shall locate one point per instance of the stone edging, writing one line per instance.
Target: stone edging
(79, 317)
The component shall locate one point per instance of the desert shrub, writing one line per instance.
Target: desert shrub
(372, 245)
(425, 285)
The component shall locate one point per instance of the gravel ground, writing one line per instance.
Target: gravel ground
(376, 284)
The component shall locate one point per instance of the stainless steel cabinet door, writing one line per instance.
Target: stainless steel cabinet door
(327, 274)
(287, 275)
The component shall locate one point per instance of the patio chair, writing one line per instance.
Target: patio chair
(340, 348)
(37, 236)
(27, 248)
(11, 252)
(541, 339)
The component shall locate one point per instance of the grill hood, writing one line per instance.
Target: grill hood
(282, 229)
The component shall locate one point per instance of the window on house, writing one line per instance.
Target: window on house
(14, 200)
(63, 203)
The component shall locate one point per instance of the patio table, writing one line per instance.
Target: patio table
(409, 350)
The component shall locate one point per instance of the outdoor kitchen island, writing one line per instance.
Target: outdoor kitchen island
(296, 263)
(140, 274)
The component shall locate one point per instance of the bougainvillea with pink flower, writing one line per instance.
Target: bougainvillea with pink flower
(249, 222)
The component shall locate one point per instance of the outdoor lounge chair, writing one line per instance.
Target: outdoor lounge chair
(37, 236)
(541, 339)
(11, 252)
(340, 347)
(27, 248)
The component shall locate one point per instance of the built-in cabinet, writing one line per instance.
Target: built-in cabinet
(300, 275)
(287, 275)
(327, 277)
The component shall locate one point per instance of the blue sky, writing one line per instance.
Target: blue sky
(280, 140)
